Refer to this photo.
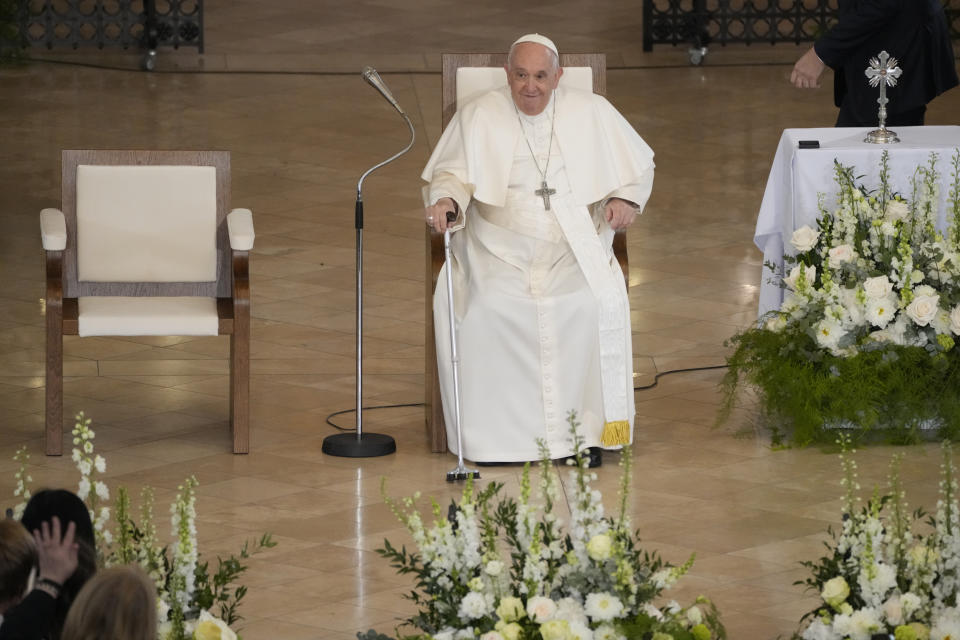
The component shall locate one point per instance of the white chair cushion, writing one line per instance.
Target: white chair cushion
(128, 316)
(146, 223)
(473, 82)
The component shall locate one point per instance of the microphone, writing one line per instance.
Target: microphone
(373, 79)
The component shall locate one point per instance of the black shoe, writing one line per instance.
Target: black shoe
(593, 455)
(596, 457)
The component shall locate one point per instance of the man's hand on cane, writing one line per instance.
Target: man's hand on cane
(436, 215)
(620, 214)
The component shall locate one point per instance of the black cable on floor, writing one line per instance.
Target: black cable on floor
(420, 404)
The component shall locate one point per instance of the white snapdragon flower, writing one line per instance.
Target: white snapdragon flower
(804, 238)
(941, 322)
(922, 309)
(840, 255)
(83, 489)
(877, 287)
(793, 280)
(888, 229)
(652, 611)
(100, 464)
(444, 634)
(84, 466)
(603, 607)
(101, 490)
(896, 210)
(492, 635)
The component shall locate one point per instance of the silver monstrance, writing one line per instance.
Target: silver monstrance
(883, 71)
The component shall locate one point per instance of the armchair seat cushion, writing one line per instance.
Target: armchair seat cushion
(129, 316)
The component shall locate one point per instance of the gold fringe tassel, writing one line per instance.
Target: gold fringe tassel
(616, 433)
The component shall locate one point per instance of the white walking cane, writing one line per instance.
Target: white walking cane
(461, 472)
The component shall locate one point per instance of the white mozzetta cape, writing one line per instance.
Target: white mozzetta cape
(601, 150)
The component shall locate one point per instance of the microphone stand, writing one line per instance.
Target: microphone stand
(364, 445)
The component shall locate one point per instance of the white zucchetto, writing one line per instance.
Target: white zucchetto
(539, 39)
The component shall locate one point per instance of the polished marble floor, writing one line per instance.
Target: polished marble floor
(299, 143)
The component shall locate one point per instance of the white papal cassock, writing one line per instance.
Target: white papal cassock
(542, 314)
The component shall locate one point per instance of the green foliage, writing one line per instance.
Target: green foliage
(218, 589)
(806, 393)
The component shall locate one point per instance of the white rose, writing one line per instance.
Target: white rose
(599, 546)
(916, 276)
(924, 290)
(775, 323)
(955, 319)
(878, 287)
(923, 309)
(840, 254)
(864, 623)
(893, 610)
(541, 609)
(694, 616)
(809, 276)
(804, 238)
(492, 635)
(835, 591)
(897, 210)
(494, 568)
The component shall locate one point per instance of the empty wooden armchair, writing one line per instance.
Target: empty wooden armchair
(144, 245)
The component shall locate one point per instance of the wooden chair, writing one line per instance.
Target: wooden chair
(144, 246)
(480, 70)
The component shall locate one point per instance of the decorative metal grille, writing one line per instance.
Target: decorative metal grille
(111, 23)
(703, 22)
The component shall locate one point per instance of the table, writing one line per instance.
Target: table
(797, 176)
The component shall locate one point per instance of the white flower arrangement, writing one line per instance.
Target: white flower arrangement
(883, 576)
(876, 270)
(511, 570)
(866, 335)
(186, 591)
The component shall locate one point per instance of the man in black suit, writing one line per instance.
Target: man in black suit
(912, 31)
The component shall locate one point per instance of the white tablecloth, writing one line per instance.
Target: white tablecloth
(799, 175)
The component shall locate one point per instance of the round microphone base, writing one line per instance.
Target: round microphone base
(368, 445)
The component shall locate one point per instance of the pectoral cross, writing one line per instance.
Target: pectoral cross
(545, 192)
(883, 71)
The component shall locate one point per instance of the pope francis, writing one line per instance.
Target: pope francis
(540, 178)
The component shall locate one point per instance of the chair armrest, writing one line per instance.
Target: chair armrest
(240, 229)
(53, 230)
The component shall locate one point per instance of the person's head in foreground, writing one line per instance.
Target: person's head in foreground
(119, 603)
(533, 72)
(18, 557)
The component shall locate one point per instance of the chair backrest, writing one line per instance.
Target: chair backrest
(468, 75)
(146, 223)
